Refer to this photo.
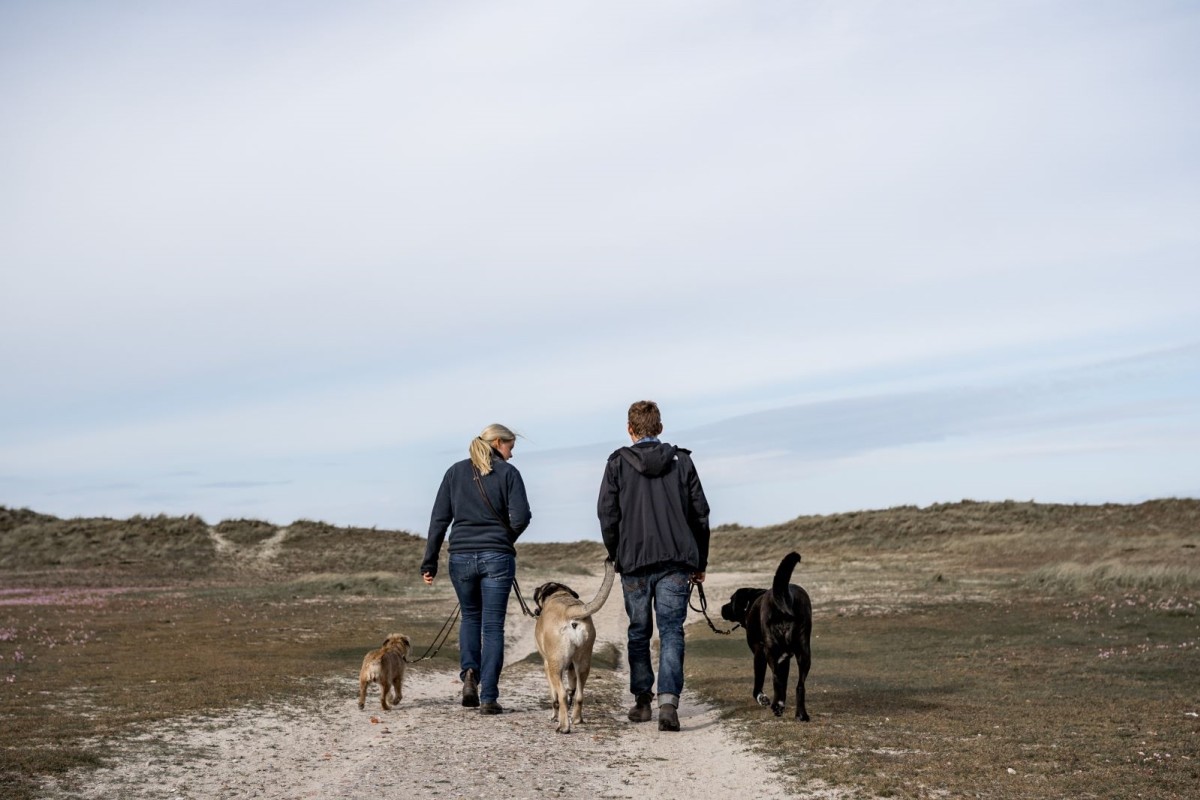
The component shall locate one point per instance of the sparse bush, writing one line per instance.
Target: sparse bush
(245, 531)
(1075, 578)
(372, 584)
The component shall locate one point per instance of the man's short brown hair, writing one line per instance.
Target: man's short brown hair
(645, 419)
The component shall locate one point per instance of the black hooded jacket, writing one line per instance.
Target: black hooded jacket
(652, 509)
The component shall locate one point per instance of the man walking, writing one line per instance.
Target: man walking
(654, 520)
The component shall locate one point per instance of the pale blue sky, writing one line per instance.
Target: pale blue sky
(284, 260)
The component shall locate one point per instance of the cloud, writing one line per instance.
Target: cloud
(815, 232)
(242, 484)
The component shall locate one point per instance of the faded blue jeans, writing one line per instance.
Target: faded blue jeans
(665, 592)
(482, 581)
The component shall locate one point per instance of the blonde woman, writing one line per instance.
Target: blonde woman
(482, 502)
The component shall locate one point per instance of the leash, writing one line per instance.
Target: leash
(509, 530)
(524, 606)
(703, 609)
(443, 634)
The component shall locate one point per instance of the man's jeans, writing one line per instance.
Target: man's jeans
(482, 581)
(666, 592)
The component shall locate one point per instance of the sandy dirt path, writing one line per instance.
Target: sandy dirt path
(430, 747)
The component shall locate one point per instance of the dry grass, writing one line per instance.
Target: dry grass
(957, 643)
(94, 666)
(1077, 700)
(1113, 576)
(952, 644)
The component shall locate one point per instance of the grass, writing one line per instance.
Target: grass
(1088, 699)
(952, 644)
(135, 659)
(1109, 576)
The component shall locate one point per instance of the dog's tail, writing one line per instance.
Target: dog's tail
(579, 612)
(783, 577)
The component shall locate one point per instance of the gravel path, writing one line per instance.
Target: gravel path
(430, 747)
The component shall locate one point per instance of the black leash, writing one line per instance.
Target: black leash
(443, 634)
(703, 609)
(524, 606)
(511, 533)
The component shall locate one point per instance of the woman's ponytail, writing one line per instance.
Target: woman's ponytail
(481, 446)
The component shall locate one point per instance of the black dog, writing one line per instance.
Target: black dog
(778, 626)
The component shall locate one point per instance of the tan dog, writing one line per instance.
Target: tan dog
(386, 667)
(565, 636)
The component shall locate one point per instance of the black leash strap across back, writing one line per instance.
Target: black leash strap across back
(703, 609)
(509, 530)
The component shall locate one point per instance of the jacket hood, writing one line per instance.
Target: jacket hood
(651, 459)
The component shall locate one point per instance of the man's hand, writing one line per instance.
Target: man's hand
(428, 578)
(697, 577)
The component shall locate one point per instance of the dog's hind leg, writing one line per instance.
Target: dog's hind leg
(570, 684)
(566, 689)
(582, 673)
(760, 675)
(362, 693)
(558, 694)
(779, 684)
(553, 692)
(384, 691)
(805, 663)
(399, 684)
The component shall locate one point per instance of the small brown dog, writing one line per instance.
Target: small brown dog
(385, 666)
(565, 634)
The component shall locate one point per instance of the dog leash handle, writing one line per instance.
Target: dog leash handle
(703, 609)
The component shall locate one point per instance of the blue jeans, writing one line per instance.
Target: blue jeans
(666, 592)
(482, 581)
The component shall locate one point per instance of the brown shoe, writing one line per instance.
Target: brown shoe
(491, 708)
(668, 718)
(470, 694)
(641, 711)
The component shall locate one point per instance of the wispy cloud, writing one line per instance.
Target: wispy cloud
(242, 484)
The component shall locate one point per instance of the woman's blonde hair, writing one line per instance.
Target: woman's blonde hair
(481, 446)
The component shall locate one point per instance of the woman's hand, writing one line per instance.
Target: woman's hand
(428, 578)
(697, 577)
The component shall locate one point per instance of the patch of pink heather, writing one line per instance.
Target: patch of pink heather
(60, 597)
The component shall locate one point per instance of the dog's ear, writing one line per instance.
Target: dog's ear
(550, 589)
(741, 602)
(541, 593)
(735, 609)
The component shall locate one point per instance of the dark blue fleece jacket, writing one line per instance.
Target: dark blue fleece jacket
(475, 527)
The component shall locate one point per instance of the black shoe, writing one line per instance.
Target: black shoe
(641, 711)
(668, 718)
(491, 708)
(470, 690)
